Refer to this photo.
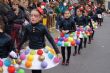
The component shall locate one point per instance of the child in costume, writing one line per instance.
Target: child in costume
(87, 23)
(67, 26)
(35, 32)
(80, 22)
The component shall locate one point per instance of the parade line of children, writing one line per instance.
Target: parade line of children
(75, 22)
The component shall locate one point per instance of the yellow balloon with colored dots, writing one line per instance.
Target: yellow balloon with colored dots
(30, 57)
(70, 39)
(71, 35)
(33, 52)
(51, 50)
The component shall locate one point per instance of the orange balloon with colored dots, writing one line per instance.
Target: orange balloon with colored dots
(28, 64)
(73, 43)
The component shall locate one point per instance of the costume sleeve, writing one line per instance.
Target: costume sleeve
(49, 37)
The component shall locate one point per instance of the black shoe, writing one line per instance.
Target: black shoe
(63, 62)
(84, 46)
(89, 42)
(67, 62)
(74, 54)
(79, 52)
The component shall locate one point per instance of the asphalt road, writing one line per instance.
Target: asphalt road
(93, 59)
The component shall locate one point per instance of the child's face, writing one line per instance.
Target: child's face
(67, 14)
(79, 12)
(35, 17)
(26, 4)
(85, 14)
(15, 6)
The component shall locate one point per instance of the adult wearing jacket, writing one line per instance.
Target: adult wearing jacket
(17, 23)
(6, 43)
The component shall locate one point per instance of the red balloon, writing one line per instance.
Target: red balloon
(73, 43)
(39, 52)
(78, 33)
(11, 69)
(62, 34)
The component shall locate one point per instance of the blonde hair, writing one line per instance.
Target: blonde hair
(16, 2)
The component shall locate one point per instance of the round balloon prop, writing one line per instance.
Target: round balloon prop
(66, 35)
(20, 71)
(56, 60)
(22, 56)
(59, 43)
(7, 62)
(1, 63)
(66, 43)
(41, 58)
(33, 52)
(11, 69)
(78, 41)
(1, 70)
(45, 50)
(50, 56)
(28, 64)
(73, 43)
(39, 52)
(27, 52)
(44, 64)
(30, 58)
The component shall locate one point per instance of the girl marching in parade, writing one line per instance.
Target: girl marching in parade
(80, 22)
(35, 32)
(87, 23)
(67, 26)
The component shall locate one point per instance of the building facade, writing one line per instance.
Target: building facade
(107, 4)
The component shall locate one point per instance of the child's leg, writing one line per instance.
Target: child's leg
(81, 42)
(75, 50)
(68, 53)
(89, 40)
(36, 71)
(63, 54)
(92, 34)
(80, 45)
(85, 42)
(99, 21)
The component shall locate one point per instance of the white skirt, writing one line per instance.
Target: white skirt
(39, 59)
